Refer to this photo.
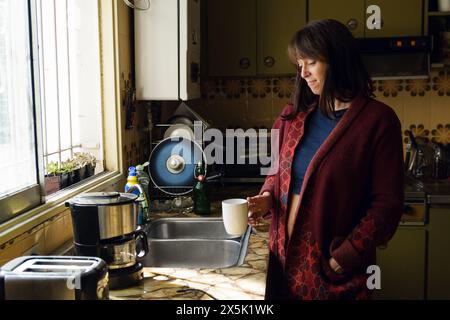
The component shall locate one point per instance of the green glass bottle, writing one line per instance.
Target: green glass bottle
(202, 204)
(199, 169)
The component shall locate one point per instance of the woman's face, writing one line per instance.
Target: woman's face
(314, 73)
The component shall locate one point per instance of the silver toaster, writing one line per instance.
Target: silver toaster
(54, 278)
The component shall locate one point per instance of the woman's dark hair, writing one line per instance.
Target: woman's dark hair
(331, 42)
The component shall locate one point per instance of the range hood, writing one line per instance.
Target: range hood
(397, 57)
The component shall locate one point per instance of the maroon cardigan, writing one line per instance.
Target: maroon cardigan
(350, 202)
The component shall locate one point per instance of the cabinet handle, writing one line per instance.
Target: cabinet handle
(382, 246)
(244, 63)
(352, 24)
(269, 61)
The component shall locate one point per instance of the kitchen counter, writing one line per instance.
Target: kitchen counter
(246, 282)
(436, 192)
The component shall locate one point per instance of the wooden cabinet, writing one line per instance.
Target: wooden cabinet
(349, 12)
(398, 18)
(250, 37)
(277, 23)
(402, 265)
(231, 40)
(415, 264)
(439, 254)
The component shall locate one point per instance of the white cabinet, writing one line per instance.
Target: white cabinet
(167, 50)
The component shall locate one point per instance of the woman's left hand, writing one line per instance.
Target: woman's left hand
(335, 266)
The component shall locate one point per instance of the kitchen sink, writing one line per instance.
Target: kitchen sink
(193, 243)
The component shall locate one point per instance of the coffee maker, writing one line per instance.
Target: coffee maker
(105, 226)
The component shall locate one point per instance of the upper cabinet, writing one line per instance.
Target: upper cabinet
(398, 18)
(231, 40)
(250, 37)
(278, 20)
(349, 12)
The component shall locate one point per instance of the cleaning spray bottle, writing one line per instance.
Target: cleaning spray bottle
(133, 186)
(143, 177)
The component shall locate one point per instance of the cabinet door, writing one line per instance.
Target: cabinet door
(278, 20)
(349, 12)
(402, 265)
(398, 18)
(439, 254)
(231, 29)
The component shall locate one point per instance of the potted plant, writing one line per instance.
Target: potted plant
(65, 172)
(81, 161)
(86, 162)
(52, 178)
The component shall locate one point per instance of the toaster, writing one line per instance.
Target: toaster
(54, 278)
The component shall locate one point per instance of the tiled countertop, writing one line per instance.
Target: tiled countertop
(244, 282)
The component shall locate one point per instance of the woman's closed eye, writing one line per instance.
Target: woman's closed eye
(299, 67)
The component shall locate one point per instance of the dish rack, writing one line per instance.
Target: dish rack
(156, 193)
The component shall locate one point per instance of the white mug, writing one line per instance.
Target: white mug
(235, 216)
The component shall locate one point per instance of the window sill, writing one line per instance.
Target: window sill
(54, 206)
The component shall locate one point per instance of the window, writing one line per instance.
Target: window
(50, 98)
(69, 64)
(17, 131)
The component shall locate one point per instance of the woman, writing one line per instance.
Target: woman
(338, 193)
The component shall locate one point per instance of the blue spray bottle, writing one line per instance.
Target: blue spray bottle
(133, 186)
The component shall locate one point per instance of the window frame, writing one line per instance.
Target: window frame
(112, 133)
(29, 197)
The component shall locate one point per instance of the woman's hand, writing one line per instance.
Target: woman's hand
(335, 266)
(258, 206)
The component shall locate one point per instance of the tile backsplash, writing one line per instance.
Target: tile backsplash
(423, 105)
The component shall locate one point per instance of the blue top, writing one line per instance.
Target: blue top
(317, 128)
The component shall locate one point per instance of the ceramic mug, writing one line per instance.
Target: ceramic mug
(235, 216)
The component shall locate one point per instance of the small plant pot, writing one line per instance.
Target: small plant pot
(76, 176)
(82, 172)
(90, 169)
(51, 184)
(64, 181)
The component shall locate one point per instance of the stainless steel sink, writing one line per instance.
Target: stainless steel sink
(193, 243)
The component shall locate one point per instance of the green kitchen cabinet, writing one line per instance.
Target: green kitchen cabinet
(398, 18)
(349, 12)
(278, 20)
(231, 37)
(439, 253)
(250, 37)
(403, 264)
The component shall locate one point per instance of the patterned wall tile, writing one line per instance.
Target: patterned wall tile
(422, 105)
(441, 134)
(212, 88)
(417, 131)
(284, 87)
(259, 88)
(390, 88)
(235, 88)
(441, 83)
(417, 87)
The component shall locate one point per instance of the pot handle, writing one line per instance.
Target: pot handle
(141, 236)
